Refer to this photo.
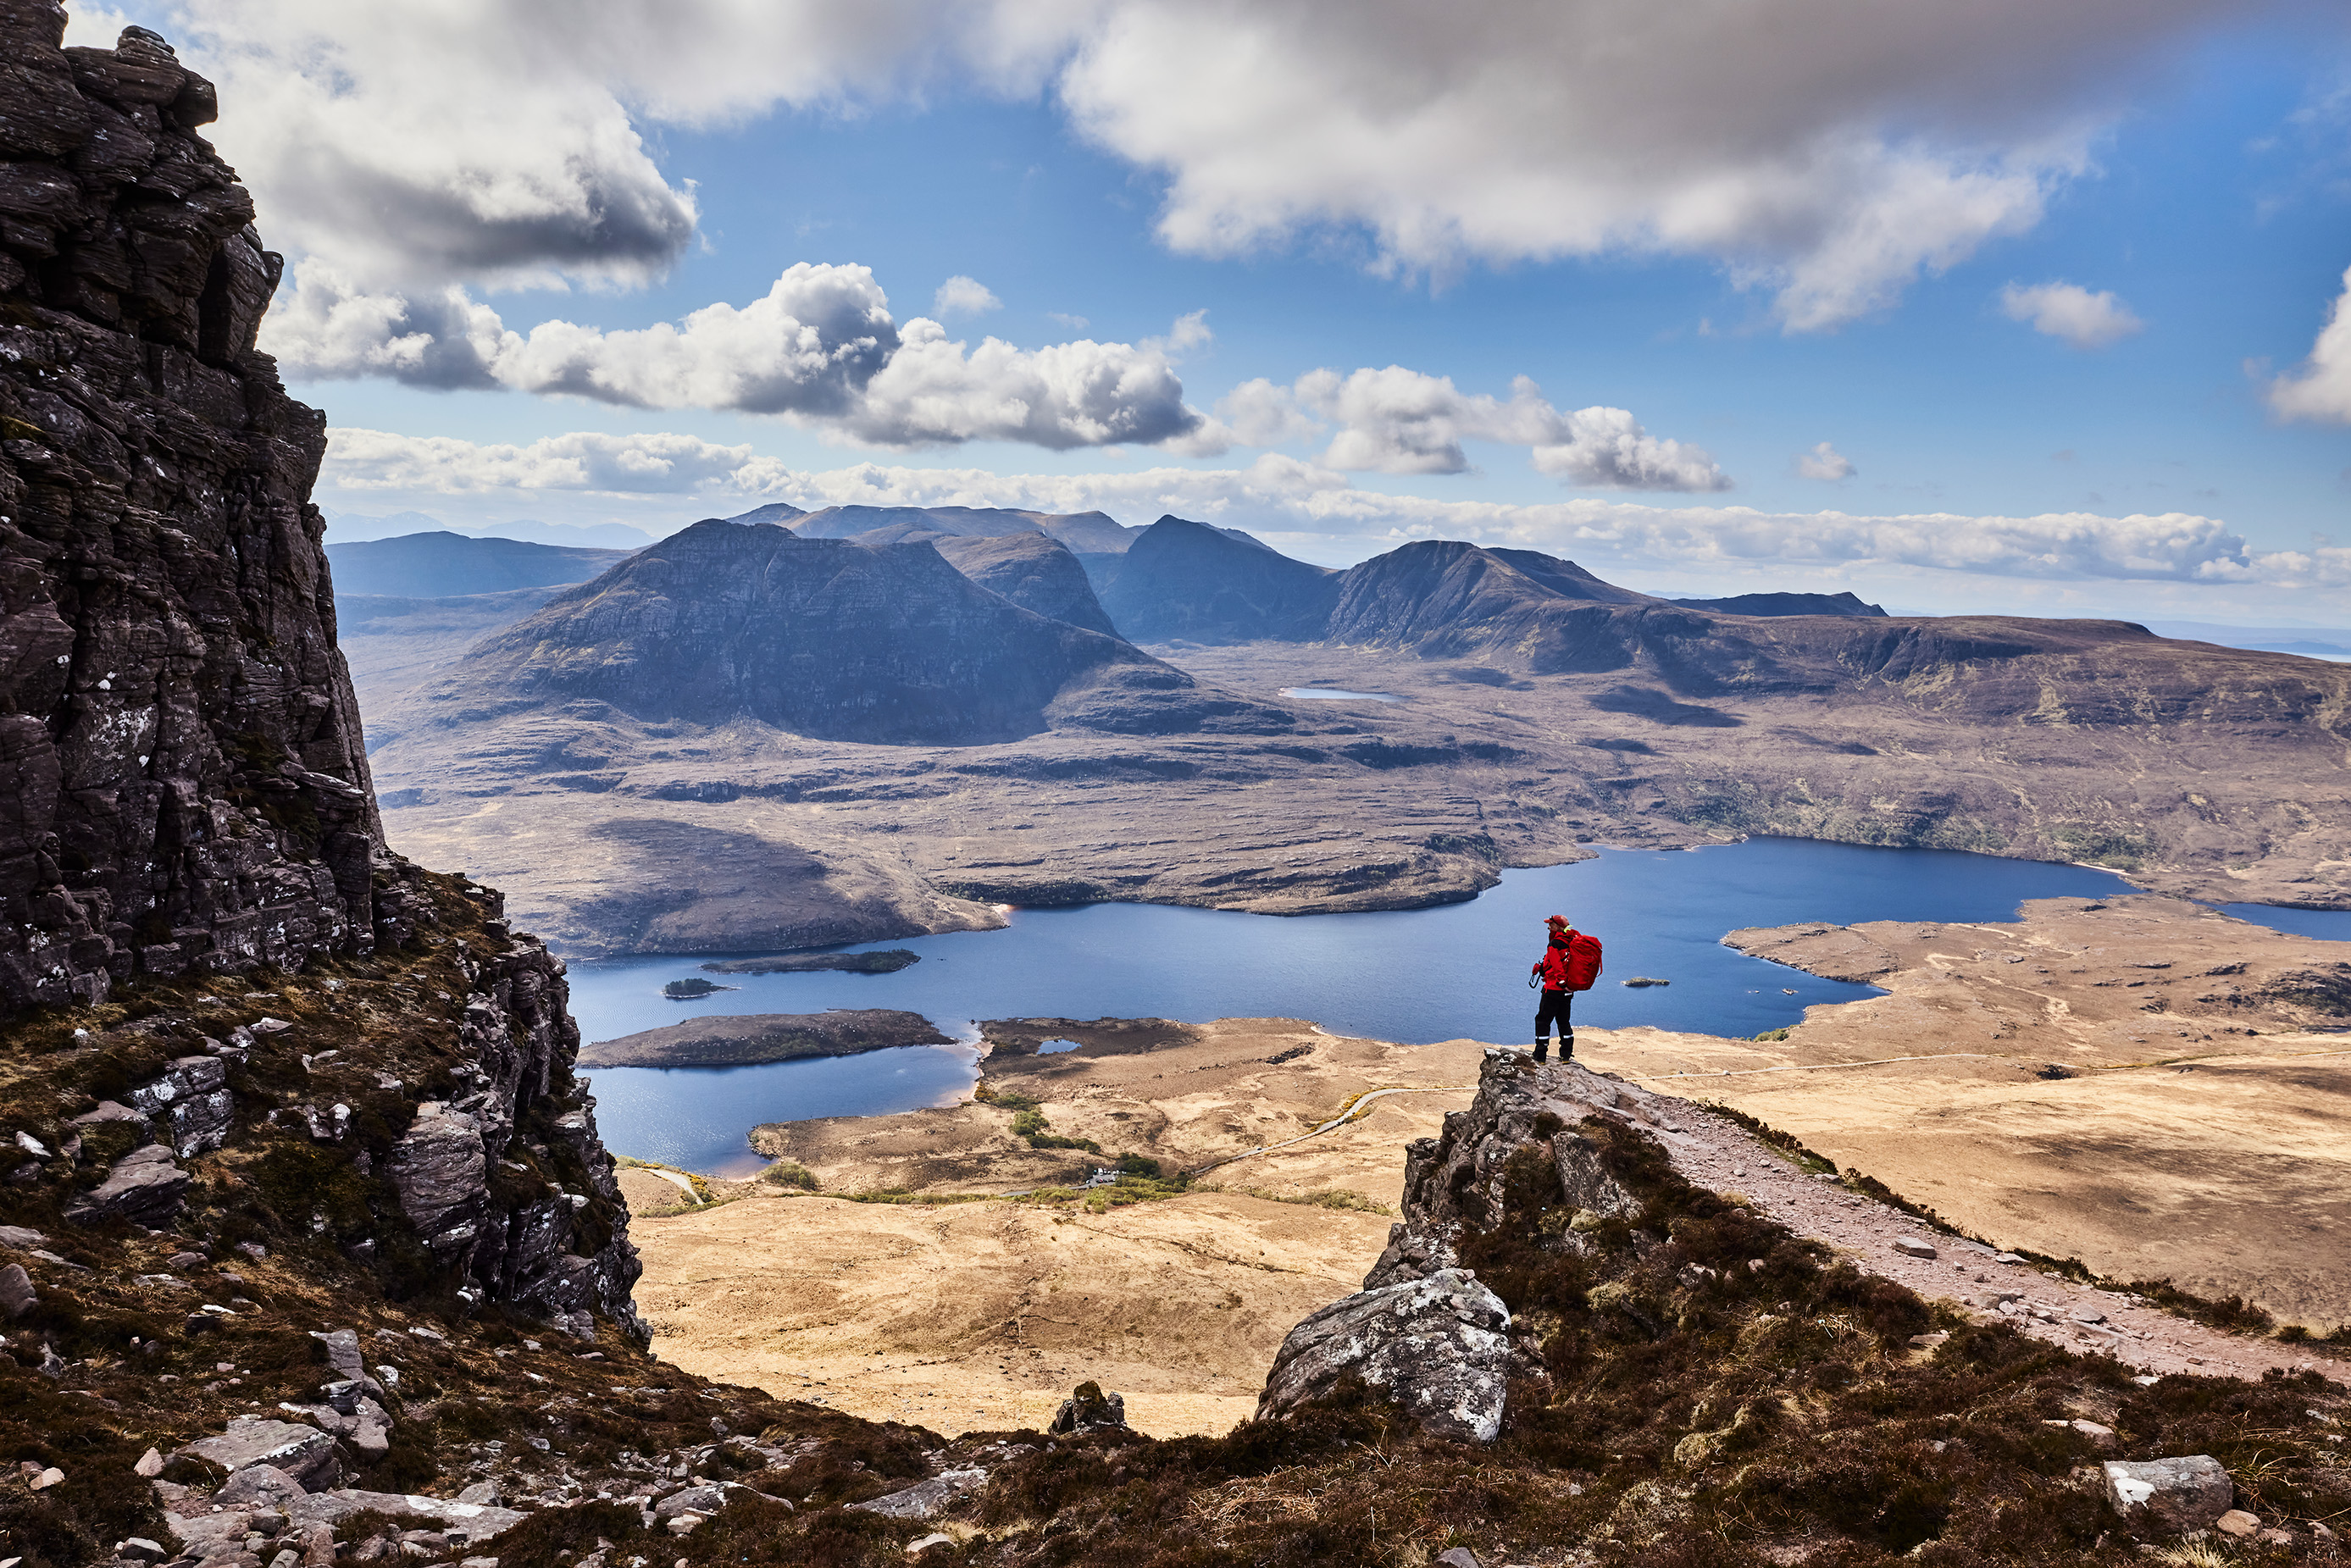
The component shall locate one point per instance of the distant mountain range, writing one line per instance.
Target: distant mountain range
(350, 528)
(2310, 642)
(883, 643)
(765, 735)
(445, 565)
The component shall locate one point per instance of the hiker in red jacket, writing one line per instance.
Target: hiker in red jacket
(1569, 965)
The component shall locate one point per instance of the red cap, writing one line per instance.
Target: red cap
(1559, 921)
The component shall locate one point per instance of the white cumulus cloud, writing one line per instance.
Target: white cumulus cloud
(1401, 421)
(961, 295)
(655, 463)
(2322, 387)
(2072, 312)
(1278, 493)
(1824, 462)
(821, 348)
(1608, 448)
(1828, 151)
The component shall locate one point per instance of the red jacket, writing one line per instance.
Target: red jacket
(1571, 965)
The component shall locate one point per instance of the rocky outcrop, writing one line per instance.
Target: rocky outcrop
(1090, 1409)
(193, 1103)
(143, 1187)
(1424, 1330)
(183, 788)
(1453, 1183)
(181, 783)
(302, 1454)
(559, 1251)
(1439, 1345)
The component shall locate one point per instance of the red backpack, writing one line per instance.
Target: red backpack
(1579, 970)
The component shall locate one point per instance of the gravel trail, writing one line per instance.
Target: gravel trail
(1716, 1152)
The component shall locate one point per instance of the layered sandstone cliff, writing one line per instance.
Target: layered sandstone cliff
(182, 780)
(183, 791)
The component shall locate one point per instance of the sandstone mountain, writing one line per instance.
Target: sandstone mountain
(817, 637)
(1181, 579)
(1034, 571)
(1445, 599)
(446, 565)
(1540, 708)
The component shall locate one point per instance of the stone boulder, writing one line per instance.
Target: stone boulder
(193, 1103)
(475, 1522)
(2169, 1497)
(258, 1486)
(341, 1347)
(144, 1187)
(1089, 1410)
(18, 1296)
(1440, 1346)
(303, 1454)
(926, 1499)
(704, 1499)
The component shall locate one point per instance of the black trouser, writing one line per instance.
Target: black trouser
(1555, 1009)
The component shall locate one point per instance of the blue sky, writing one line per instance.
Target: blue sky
(2196, 172)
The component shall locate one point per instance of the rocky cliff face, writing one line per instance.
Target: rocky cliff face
(184, 794)
(182, 781)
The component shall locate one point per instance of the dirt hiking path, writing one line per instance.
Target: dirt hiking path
(1713, 1151)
